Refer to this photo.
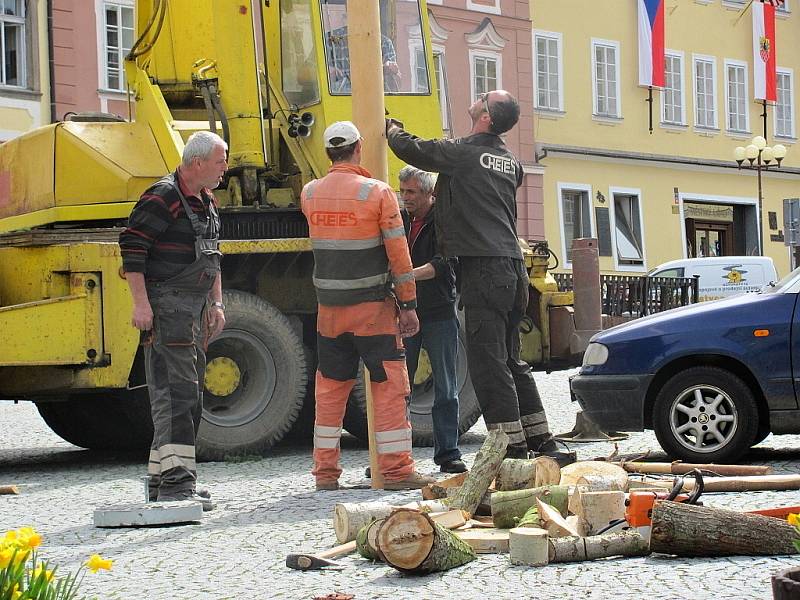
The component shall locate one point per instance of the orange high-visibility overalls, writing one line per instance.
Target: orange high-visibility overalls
(362, 274)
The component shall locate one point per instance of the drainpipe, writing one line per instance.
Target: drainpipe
(51, 62)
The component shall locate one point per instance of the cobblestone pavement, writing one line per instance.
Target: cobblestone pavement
(267, 509)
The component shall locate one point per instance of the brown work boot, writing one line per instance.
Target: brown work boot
(327, 486)
(414, 481)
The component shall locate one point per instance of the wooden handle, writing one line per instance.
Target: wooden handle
(341, 550)
(8, 489)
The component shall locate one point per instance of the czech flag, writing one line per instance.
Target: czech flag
(651, 43)
(764, 66)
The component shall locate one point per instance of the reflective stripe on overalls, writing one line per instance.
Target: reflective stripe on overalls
(175, 359)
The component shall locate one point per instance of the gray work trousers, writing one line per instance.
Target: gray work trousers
(494, 292)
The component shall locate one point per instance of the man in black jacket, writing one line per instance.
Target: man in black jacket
(476, 222)
(436, 309)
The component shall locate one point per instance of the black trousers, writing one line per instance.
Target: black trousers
(494, 292)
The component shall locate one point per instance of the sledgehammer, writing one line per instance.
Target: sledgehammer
(315, 562)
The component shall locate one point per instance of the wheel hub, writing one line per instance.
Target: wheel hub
(222, 376)
(703, 418)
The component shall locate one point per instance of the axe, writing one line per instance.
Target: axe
(315, 562)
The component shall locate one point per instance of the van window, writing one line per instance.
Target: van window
(676, 272)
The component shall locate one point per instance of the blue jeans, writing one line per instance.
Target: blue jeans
(440, 340)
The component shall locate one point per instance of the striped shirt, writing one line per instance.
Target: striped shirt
(159, 239)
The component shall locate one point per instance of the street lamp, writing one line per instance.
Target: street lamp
(759, 156)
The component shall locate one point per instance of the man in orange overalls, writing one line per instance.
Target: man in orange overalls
(367, 299)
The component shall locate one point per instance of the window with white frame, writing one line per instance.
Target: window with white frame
(605, 77)
(12, 43)
(576, 218)
(485, 73)
(548, 75)
(784, 107)
(736, 96)
(420, 83)
(487, 6)
(628, 230)
(672, 96)
(117, 42)
(440, 73)
(705, 99)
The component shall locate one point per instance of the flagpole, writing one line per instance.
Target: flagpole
(650, 101)
(764, 117)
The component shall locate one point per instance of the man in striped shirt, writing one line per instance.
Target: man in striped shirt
(367, 299)
(172, 263)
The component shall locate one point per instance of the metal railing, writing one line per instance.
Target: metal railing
(637, 296)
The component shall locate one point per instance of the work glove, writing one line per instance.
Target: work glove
(392, 123)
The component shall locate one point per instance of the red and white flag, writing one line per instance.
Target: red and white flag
(764, 65)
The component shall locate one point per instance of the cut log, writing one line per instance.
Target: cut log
(429, 506)
(509, 507)
(553, 522)
(8, 490)
(520, 474)
(573, 549)
(365, 540)
(452, 519)
(600, 483)
(681, 468)
(438, 490)
(350, 517)
(599, 509)
(528, 546)
(689, 530)
(486, 541)
(413, 543)
(572, 473)
(577, 524)
(531, 518)
(747, 483)
(484, 470)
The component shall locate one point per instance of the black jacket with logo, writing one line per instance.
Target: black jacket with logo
(436, 298)
(476, 209)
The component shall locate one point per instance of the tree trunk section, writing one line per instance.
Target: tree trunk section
(531, 518)
(528, 546)
(574, 549)
(350, 517)
(509, 507)
(484, 470)
(520, 474)
(441, 489)
(413, 543)
(689, 530)
(365, 540)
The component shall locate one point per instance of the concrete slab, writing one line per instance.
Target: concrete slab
(145, 514)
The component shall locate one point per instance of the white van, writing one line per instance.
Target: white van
(722, 276)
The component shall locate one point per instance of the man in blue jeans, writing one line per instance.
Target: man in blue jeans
(436, 309)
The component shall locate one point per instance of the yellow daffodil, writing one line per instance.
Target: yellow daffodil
(15, 593)
(11, 536)
(5, 557)
(21, 556)
(39, 572)
(794, 519)
(29, 537)
(97, 562)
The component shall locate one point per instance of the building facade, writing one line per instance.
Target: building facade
(481, 45)
(24, 70)
(90, 41)
(675, 192)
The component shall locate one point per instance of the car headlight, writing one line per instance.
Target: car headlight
(596, 354)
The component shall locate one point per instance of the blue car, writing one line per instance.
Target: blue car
(711, 379)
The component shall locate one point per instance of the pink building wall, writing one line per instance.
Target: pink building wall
(462, 24)
(76, 54)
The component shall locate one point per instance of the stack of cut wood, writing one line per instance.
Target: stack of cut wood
(539, 513)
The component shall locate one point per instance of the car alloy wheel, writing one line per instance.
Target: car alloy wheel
(703, 418)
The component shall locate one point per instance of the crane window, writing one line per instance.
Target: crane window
(298, 56)
(401, 46)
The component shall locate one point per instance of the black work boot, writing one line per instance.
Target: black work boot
(556, 450)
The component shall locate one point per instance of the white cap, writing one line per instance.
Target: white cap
(341, 133)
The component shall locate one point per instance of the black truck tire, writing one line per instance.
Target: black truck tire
(255, 381)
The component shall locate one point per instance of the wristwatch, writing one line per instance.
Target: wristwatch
(218, 305)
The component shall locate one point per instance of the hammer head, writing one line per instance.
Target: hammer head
(309, 562)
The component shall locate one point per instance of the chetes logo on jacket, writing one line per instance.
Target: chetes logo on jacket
(328, 218)
(501, 164)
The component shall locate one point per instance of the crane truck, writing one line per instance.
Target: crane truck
(264, 74)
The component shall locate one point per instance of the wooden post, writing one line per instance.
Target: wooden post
(366, 77)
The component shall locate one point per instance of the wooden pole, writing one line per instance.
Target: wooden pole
(366, 77)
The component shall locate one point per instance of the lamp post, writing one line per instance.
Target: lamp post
(759, 156)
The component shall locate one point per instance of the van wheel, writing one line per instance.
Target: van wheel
(255, 380)
(704, 415)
